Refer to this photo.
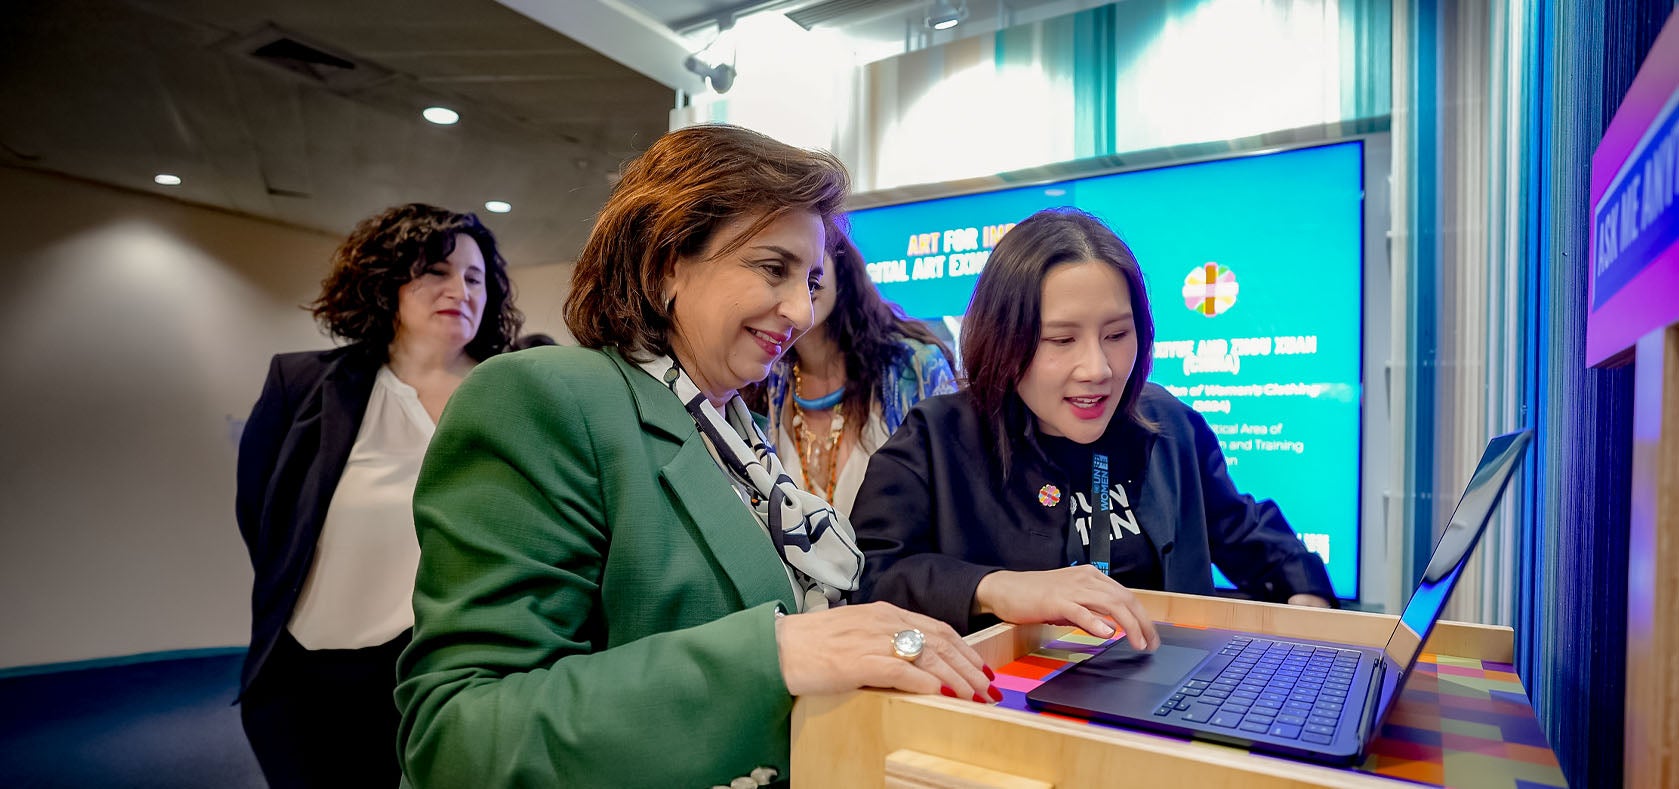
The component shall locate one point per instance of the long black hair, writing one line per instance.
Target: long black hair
(868, 329)
(1001, 331)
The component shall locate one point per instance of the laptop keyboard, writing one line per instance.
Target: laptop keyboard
(1277, 688)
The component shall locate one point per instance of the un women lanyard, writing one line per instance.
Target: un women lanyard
(1100, 550)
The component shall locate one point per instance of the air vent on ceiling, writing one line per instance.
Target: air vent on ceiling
(317, 63)
(300, 57)
(834, 11)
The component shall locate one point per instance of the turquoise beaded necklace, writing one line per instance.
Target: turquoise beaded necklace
(823, 403)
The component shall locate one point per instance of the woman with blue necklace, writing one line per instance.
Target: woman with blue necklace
(849, 381)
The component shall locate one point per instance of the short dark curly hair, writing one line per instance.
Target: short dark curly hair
(358, 300)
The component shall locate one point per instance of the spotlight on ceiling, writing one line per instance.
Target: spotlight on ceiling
(716, 61)
(498, 207)
(442, 116)
(166, 179)
(946, 14)
(721, 76)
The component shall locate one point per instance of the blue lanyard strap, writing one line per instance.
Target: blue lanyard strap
(1101, 531)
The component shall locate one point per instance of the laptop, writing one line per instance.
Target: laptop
(1316, 700)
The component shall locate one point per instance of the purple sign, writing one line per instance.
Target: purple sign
(1634, 254)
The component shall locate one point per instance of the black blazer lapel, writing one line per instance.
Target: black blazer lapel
(345, 390)
(332, 391)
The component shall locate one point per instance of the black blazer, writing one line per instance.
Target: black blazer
(291, 455)
(935, 514)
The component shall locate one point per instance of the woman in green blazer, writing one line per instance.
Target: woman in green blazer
(618, 584)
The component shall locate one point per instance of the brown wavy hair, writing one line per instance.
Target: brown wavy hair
(359, 302)
(1001, 331)
(668, 203)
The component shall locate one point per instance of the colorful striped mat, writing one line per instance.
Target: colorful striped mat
(1459, 723)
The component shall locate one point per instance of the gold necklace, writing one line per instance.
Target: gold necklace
(813, 455)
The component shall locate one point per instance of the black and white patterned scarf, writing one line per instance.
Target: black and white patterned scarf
(815, 541)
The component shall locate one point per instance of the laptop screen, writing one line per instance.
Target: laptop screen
(1451, 552)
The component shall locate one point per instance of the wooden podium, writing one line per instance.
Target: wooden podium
(882, 738)
(1652, 694)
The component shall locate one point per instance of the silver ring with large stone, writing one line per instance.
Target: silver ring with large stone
(907, 644)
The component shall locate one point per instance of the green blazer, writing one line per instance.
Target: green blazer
(595, 606)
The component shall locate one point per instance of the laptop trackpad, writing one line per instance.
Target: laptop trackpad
(1167, 665)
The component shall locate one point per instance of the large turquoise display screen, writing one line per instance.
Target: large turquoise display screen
(1254, 267)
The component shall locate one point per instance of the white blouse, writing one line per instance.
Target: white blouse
(359, 592)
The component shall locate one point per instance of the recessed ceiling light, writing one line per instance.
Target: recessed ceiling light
(946, 14)
(166, 179)
(498, 207)
(442, 116)
(1055, 192)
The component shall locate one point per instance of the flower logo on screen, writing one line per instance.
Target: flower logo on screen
(1210, 289)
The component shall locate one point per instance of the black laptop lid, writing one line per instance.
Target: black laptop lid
(1500, 461)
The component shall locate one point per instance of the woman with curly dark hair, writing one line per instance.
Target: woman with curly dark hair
(327, 466)
(848, 382)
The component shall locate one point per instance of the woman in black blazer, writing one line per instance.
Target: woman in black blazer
(327, 465)
(1060, 478)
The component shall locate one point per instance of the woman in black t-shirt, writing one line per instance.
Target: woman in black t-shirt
(987, 502)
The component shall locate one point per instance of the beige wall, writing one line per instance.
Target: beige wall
(139, 334)
(140, 331)
(541, 292)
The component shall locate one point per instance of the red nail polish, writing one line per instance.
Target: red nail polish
(988, 672)
(944, 690)
(996, 695)
(979, 698)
